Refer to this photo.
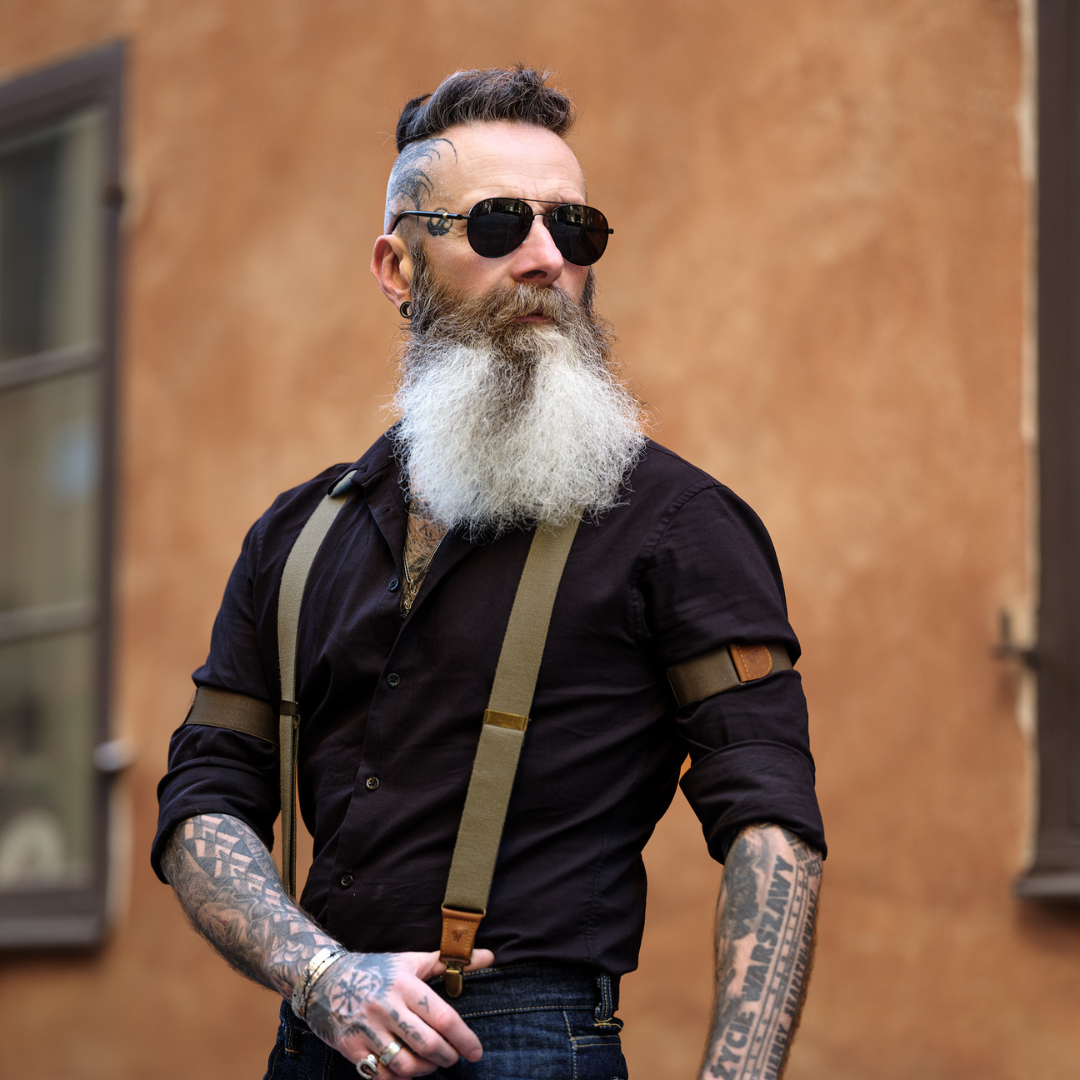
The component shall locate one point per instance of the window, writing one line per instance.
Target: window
(59, 165)
(1055, 871)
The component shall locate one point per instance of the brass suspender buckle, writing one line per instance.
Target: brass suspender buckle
(452, 980)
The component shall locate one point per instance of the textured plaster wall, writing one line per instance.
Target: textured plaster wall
(818, 279)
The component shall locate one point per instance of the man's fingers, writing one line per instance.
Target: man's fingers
(429, 964)
(397, 1006)
(481, 958)
(404, 1063)
(422, 1050)
(439, 1017)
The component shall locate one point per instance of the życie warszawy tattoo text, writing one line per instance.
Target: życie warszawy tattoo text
(764, 947)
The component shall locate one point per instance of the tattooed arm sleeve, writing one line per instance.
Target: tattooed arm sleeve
(229, 886)
(231, 891)
(764, 948)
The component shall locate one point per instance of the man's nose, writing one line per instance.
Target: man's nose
(537, 259)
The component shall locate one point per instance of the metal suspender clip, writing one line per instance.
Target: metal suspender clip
(455, 950)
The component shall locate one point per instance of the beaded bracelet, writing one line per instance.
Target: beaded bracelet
(316, 968)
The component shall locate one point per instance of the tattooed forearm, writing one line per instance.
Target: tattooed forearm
(764, 948)
(230, 889)
(229, 886)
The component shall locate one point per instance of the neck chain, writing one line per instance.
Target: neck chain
(423, 539)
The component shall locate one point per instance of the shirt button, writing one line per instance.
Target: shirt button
(394, 583)
(345, 880)
(393, 679)
(371, 783)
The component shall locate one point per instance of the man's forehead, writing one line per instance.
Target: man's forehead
(503, 158)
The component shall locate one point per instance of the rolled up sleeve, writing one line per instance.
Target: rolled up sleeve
(712, 579)
(214, 770)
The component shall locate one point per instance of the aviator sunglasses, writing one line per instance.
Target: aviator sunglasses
(498, 226)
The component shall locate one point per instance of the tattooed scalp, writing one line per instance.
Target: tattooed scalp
(414, 180)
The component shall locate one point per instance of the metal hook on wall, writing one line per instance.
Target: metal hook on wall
(1008, 649)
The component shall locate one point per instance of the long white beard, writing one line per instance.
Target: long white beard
(491, 441)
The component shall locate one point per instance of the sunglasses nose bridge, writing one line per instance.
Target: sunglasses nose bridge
(538, 250)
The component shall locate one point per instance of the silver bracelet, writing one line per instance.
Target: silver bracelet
(316, 968)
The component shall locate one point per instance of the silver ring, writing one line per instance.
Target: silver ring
(392, 1050)
(368, 1067)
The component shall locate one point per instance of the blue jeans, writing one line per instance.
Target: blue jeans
(535, 1021)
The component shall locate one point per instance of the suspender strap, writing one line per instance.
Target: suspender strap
(501, 736)
(293, 580)
(724, 668)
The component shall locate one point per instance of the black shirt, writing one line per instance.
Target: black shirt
(682, 568)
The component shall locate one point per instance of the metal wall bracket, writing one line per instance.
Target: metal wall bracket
(1009, 649)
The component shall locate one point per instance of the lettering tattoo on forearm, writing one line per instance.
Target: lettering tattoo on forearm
(764, 949)
(229, 886)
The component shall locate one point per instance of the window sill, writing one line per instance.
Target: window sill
(1061, 885)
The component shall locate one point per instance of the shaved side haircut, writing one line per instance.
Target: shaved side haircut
(518, 94)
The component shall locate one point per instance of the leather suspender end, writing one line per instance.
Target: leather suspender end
(455, 950)
(506, 720)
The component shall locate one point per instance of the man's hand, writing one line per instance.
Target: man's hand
(764, 948)
(368, 999)
(229, 886)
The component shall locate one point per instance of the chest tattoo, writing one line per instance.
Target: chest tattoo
(421, 542)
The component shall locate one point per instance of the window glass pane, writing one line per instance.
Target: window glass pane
(50, 236)
(46, 775)
(49, 485)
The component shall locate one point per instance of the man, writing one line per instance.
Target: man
(511, 419)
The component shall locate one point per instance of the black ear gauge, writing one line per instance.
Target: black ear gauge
(406, 309)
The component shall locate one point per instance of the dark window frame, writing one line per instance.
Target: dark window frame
(79, 917)
(1055, 869)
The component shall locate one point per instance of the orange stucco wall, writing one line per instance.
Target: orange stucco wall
(819, 283)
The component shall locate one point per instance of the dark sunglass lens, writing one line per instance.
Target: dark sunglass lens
(497, 226)
(579, 232)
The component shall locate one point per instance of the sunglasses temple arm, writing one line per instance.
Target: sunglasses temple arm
(427, 213)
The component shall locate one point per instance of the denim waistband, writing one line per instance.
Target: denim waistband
(536, 987)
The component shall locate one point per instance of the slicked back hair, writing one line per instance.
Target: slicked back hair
(470, 97)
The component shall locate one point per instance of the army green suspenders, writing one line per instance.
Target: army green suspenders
(504, 724)
(503, 731)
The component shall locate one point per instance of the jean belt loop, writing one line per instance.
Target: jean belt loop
(607, 998)
(291, 1033)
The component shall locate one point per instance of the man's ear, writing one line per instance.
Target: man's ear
(392, 268)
